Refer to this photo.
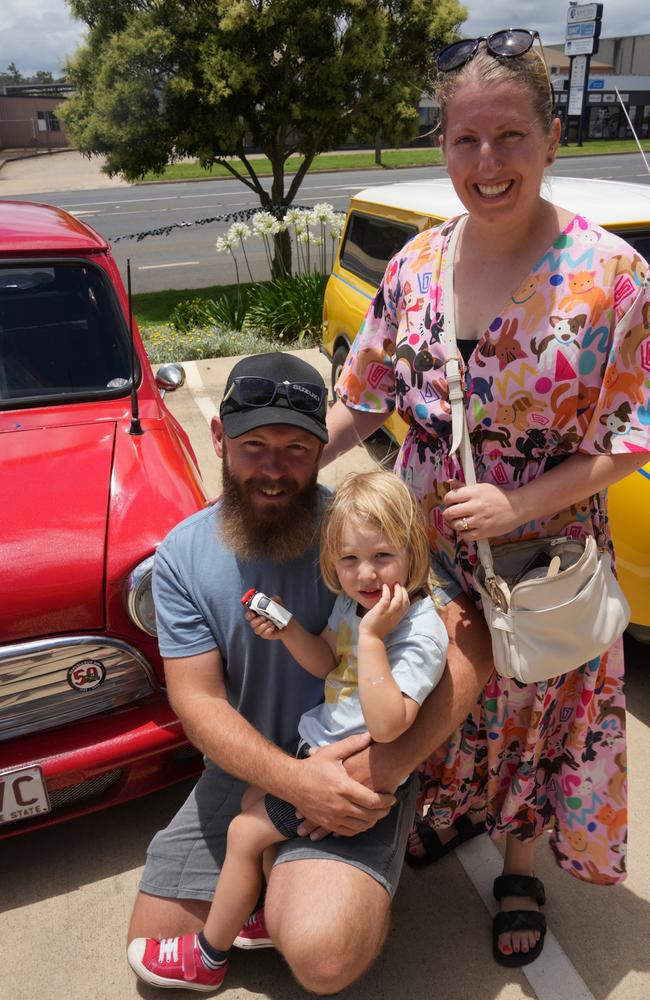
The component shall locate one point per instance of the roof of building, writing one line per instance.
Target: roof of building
(555, 57)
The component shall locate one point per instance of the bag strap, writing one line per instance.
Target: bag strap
(460, 440)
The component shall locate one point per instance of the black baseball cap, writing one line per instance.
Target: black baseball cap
(279, 367)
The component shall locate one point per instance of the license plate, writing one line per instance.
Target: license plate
(22, 794)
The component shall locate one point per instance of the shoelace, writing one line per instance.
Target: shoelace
(168, 951)
(252, 920)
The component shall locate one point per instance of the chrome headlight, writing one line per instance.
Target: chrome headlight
(139, 597)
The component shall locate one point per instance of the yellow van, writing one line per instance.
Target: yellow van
(382, 218)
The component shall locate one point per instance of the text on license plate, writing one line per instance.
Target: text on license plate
(22, 794)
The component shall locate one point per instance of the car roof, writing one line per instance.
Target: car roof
(27, 226)
(607, 203)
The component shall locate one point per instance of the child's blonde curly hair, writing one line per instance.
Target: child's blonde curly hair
(382, 499)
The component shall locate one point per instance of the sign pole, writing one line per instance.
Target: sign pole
(581, 42)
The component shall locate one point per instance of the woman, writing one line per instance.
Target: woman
(551, 316)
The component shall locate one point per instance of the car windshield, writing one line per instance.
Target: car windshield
(61, 335)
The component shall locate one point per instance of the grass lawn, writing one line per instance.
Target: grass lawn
(365, 160)
(151, 308)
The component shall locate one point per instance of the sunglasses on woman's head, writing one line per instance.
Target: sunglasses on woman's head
(505, 44)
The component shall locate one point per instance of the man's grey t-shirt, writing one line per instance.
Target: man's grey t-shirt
(198, 584)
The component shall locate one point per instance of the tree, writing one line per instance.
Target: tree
(212, 78)
(43, 76)
(13, 74)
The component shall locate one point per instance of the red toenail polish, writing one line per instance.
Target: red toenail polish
(506, 949)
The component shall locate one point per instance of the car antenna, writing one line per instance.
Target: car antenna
(136, 426)
(647, 166)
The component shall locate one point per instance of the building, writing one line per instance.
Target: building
(28, 118)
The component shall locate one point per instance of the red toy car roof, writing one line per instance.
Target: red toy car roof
(29, 227)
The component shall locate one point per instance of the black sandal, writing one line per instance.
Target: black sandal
(518, 920)
(433, 847)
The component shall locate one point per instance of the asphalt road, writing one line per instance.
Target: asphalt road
(187, 258)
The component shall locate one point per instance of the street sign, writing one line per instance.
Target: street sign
(579, 46)
(586, 29)
(578, 73)
(575, 102)
(586, 12)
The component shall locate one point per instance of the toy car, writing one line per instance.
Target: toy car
(262, 605)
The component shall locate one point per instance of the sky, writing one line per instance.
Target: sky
(39, 34)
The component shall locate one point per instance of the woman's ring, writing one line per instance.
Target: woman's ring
(464, 524)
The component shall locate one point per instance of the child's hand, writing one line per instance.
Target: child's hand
(387, 612)
(261, 626)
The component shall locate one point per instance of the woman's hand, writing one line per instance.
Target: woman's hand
(481, 511)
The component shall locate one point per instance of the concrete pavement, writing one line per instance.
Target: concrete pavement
(65, 171)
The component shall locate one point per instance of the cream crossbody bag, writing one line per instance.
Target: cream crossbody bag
(551, 604)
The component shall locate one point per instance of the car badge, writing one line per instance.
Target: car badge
(86, 675)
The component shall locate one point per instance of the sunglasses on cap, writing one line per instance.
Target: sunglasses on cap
(249, 390)
(505, 44)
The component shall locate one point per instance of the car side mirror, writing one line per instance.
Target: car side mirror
(170, 377)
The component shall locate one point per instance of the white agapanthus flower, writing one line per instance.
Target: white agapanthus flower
(293, 216)
(336, 225)
(322, 212)
(224, 244)
(265, 224)
(305, 237)
(239, 231)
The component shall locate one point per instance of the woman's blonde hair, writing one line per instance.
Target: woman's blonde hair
(528, 71)
(383, 500)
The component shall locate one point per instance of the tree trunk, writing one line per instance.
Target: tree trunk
(378, 149)
(281, 241)
(281, 254)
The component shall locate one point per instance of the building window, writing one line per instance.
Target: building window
(47, 122)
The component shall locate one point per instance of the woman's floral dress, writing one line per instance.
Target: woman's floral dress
(564, 367)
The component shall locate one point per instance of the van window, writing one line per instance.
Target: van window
(639, 239)
(370, 242)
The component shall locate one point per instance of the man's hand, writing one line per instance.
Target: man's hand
(330, 800)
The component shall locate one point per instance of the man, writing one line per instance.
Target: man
(239, 698)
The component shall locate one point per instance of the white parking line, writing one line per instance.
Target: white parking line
(200, 394)
(553, 974)
(156, 267)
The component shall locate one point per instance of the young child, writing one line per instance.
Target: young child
(380, 655)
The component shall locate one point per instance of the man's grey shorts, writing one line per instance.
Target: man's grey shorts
(184, 859)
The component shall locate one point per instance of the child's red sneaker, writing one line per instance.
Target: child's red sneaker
(174, 962)
(254, 933)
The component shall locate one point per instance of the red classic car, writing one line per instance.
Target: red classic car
(94, 471)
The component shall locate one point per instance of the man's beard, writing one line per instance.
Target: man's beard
(281, 533)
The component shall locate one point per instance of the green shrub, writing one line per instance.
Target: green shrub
(228, 311)
(289, 308)
(166, 343)
(192, 313)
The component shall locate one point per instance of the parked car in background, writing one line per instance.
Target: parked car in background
(382, 218)
(92, 477)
